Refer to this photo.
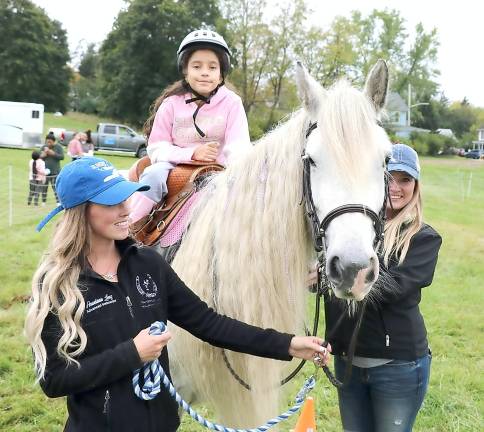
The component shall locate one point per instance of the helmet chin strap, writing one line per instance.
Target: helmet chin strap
(199, 97)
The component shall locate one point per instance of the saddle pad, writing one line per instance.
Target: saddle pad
(179, 224)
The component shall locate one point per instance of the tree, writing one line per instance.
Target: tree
(138, 58)
(248, 38)
(33, 56)
(89, 61)
(84, 94)
(462, 117)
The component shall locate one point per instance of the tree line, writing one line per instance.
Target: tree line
(122, 76)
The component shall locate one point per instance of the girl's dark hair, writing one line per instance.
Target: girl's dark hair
(179, 87)
(50, 136)
(88, 134)
(35, 157)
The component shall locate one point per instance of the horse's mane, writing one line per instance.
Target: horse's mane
(249, 232)
(247, 250)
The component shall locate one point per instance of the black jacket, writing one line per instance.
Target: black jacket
(392, 326)
(100, 393)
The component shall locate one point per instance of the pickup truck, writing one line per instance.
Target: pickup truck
(112, 137)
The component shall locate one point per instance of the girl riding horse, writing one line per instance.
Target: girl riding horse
(195, 119)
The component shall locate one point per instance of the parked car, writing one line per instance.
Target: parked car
(116, 137)
(475, 154)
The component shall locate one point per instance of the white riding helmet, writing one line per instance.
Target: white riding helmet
(205, 38)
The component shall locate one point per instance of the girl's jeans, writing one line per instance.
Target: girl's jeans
(384, 398)
(156, 176)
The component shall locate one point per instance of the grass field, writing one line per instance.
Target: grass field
(454, 205)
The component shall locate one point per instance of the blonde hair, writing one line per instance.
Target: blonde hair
(237, 226)
(55, 290)
(402, 227)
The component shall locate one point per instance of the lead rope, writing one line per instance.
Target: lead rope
(151, 375)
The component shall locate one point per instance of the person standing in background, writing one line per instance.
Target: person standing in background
(52, 153)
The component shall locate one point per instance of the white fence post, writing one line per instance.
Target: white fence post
(10, 196)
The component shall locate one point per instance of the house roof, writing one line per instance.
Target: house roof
(395, 103)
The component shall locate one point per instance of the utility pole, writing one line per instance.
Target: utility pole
(410, 106)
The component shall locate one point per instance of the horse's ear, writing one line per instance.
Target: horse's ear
(310, 91)
(376, 86)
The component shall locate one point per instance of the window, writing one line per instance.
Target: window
(35, 114)
(110, 129)
(123, 131)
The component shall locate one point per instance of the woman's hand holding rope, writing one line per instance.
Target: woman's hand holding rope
(149, 346)
(310, 348)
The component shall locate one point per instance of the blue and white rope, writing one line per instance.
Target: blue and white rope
(153, 374)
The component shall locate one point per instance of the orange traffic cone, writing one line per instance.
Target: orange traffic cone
(307, 420)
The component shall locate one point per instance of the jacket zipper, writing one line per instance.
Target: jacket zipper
(130, 306)
(387, 336)
(106, 408)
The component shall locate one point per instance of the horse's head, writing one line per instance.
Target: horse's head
(347, 153)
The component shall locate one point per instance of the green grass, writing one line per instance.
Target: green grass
(451, 306)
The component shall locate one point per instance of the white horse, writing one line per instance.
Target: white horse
(248, 248)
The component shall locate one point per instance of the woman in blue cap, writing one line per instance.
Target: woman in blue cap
(94, 297)
(391, 366)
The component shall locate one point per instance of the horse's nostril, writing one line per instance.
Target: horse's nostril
(335, 269)
(370, 276)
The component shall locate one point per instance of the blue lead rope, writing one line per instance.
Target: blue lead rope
(152, 375)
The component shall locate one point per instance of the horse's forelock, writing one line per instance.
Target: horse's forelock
(348, 126)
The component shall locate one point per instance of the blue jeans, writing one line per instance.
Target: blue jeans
(383, 398)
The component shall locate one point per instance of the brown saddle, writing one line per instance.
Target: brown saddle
(181, 185)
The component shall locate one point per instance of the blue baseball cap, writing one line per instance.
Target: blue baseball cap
(90, 179)
(404, 158)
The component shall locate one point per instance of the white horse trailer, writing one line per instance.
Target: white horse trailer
(21, 124)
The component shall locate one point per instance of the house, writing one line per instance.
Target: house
(397, 112)
(479, 144)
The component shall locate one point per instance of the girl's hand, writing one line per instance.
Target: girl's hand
(309, 347)
(206, 152)
(150, 346)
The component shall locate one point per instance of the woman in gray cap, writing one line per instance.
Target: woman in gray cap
(391, 366)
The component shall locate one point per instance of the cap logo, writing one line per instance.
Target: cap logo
(112, 176)
(102, 166)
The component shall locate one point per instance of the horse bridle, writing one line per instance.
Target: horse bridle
(318, 229)
(318, 232)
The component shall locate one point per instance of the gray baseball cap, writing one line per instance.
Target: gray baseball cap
(404, 158)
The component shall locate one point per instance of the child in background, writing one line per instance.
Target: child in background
(195, 119)
(37, 175)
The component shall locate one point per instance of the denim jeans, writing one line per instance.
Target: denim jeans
(383, 398)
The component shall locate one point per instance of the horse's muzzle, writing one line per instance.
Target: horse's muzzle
(354, 279)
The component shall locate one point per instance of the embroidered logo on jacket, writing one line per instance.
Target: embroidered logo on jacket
(146, 286)
(92, 305)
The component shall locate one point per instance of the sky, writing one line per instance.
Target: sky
(459, 26)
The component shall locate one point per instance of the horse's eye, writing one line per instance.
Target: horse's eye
(385, 162)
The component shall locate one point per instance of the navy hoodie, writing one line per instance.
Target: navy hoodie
(100, 394)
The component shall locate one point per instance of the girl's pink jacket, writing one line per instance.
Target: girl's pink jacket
(174, 137)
